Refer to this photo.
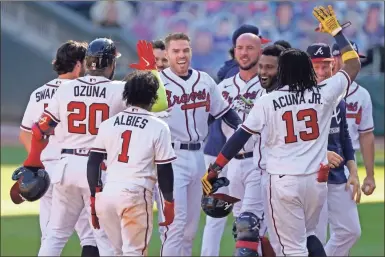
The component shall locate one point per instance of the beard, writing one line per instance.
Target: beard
(248, 67)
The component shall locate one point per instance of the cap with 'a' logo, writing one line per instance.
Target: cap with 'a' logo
(336, 50)
(319, 52)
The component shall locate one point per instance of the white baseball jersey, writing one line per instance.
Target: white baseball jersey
(80, 106)
(260, 151)
(192, 101)
(134, 140)
(297, 126)
(359, 113)
(38, 101)
(231, 89)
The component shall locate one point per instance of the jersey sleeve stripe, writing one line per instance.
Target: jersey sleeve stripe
(98, 150)
(347, 77)
(222, 112)
(165, 161)
(25, 128)
(52, 116)
(248, 130)
(366, 130)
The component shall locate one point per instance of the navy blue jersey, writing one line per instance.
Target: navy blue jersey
(216, 139)
(340, 142)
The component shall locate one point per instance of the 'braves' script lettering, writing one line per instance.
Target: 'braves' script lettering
(189, 101)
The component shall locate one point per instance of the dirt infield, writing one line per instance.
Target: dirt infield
(10, 136)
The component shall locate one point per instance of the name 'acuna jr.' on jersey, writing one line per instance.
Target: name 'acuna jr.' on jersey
(135, 141)
(297, 126)
(81, 105)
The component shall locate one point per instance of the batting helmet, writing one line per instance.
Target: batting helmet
(101, 53)
(30, 184)
(218, 205)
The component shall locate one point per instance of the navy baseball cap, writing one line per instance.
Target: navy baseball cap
(320, 52)
(246, 28)
(336, 50)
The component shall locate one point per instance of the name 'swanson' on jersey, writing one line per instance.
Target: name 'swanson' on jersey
(295, 99)
(46, 93)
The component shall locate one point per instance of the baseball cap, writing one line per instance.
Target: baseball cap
(247, 28)
(336, 50)
(319, 52)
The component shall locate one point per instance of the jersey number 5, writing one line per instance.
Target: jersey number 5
(81, 115)
(311, 122)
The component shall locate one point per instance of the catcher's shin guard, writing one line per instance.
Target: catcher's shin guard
(90, 251)
(246, 234)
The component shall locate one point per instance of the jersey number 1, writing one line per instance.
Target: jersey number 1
(123, 156)
(81, 108)
(312, 123)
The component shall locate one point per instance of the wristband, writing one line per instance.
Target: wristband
(349, 55)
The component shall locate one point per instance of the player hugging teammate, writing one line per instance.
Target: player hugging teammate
(279, 121)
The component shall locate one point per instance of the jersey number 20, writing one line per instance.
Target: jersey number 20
(81, 115)
(311, 122)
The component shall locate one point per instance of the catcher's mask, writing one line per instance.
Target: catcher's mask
(30, 184)
(218, 205)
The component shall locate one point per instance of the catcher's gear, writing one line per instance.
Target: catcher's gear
(168, 213)
(31, 184)
(218, 205)
(145, 55)
(101, 54)
(246, 234)
(328, 20)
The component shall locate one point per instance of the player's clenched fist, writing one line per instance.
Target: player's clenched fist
(145, 55)
(334, 159)
(168, 212)
(208, 179)
(327, 19)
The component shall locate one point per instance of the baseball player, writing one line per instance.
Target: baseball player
(76, 111)
(297, 117)
(360, 120)
(214, 227)
(68, 64)
(340, 209)
(160, 54)
(192, 95)
(139, 151)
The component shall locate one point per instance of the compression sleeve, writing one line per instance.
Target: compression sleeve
(166, 180)
(94, 172)
(232, 119)
(232, 147)
(161, 104)
(347, 146)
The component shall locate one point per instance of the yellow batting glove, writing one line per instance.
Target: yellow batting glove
(161, 104)
(327, 19)
(206, 185)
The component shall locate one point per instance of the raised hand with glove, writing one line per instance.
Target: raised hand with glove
(327, 19)
(147, 63)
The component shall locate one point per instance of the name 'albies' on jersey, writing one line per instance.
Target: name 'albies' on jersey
(297, 126)
(80, 106)
(38, 101)
(134, 141)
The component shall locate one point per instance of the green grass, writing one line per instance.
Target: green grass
(20, 232)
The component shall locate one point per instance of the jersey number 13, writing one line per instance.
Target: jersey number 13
(311, 121)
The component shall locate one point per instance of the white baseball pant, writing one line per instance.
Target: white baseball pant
(70, 195)
(82, 227)
(189, 167)
(340, 211)
(245, 184)
(214, 228)
(126, 215)
(295, 205)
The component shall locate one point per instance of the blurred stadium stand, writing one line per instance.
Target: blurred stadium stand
(31, 32)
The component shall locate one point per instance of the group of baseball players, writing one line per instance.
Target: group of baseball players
(274, 143)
